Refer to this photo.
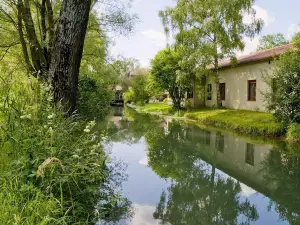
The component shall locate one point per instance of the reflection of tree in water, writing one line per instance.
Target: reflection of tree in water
(282, 166)
(197, 194)
(132, 127)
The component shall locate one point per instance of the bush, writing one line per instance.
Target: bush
(283, 98)
(293, 133)
(93, 99)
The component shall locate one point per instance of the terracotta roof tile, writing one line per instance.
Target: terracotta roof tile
(258, 56)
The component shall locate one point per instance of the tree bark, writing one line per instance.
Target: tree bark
(22, 40)
(67, 52)
(51, 28)
(44, 30)
(37, 53)
(217, 80)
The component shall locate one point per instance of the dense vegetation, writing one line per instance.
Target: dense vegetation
(55, 86)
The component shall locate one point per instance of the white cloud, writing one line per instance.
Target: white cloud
(144, 161)
(144, 215)
(250, 46)
(157, 38)
(247, 191)
(293, 29)
(145, 63)
(260, 14)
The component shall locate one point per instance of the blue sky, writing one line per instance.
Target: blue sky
(279, 16)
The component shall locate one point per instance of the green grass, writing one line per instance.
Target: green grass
(242, 121)
(293, 133)
(162, 108)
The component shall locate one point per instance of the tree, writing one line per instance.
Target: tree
(165, 70)
(153, 89)
(67, 53)
(209, 30)
(138, 90)
(123, 67)
(284, 82)
(271, 41)
(40, 34)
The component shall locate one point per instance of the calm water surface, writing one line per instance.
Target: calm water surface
(179, 174)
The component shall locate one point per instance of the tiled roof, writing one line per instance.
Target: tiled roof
(258, 56)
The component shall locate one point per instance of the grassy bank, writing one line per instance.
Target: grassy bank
(160, 108)
(241, 121)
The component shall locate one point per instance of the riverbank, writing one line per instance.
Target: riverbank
(241, 121)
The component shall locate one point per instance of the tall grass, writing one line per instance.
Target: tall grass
(54, 169)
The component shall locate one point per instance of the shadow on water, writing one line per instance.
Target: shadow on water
(211, 176)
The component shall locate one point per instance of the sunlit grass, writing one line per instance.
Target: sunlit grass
(156, 108)
(243, 121)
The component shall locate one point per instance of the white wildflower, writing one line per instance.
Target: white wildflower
(51, 116)
(86, 130)
(50, 130)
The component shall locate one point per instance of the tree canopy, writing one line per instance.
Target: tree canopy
(209, 30)
(271, 41)
(165, 68)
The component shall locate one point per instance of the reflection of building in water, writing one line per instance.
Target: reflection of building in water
(117, 116)
(249, 158)
(232, 155)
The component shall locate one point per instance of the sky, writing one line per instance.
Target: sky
(279, 16)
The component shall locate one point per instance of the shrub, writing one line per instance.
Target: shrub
(293, 133)
(283, 98)
(93, 99)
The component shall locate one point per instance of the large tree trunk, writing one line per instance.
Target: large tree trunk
(67, 52)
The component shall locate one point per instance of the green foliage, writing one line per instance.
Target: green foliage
(283, 98)
(207, 31)
(271, 41)
(293, 132)
(93, 99)
(245, 122)
(153, 88)
(123, 67)
(138, 92)
(165, 70)
(282, 166)
(57, 172)
(156, 108)
(181, 155)
(28, 205)
(129, 96)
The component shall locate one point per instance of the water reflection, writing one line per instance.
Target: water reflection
(200, 176)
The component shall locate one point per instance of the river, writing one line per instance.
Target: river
(181, 174)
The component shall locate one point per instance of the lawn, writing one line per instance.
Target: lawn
(242, 121)
(155, 108)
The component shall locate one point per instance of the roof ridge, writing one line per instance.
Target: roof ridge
(266, 50)
(257, 56)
